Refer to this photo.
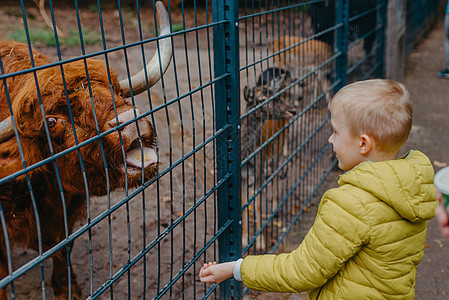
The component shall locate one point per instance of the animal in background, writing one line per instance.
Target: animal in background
(322, 17)
(305, 58)
(47, 125)
(269, 117)
(274, 78)
(278, 81)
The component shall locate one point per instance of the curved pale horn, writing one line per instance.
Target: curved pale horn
(6, 129)
(138, 81)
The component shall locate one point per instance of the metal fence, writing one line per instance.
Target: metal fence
(238, 122)
(420, 16)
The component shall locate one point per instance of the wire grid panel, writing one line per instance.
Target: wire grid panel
(420, 15)
(364, 35)
(366, 25)
(287, 80)
(66, 202)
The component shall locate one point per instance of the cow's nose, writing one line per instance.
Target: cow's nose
(130, 131)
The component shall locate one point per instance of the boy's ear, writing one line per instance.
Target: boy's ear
(366, 144)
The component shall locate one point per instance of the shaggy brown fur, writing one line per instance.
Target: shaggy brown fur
(103, 169)
(310, 53)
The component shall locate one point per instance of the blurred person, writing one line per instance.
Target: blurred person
(442, 216)
(445, 73)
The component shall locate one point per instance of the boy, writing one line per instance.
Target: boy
(368, 236)
(445, 73)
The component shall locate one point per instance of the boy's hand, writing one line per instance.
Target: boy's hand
(442, 217)
(216, 273)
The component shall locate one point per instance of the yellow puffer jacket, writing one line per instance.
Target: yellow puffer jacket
(367, 239)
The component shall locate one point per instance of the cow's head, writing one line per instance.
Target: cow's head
(115, 138)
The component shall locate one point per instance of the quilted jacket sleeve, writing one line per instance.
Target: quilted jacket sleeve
(338, 233)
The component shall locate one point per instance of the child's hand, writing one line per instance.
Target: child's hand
(442, 217)
(216, 273)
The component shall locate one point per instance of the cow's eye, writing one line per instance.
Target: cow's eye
(51, 122)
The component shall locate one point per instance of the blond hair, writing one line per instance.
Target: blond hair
(380, 108)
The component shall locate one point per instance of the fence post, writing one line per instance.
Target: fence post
(227, 112)
(381, 22)
(342, 19)
(395, 40)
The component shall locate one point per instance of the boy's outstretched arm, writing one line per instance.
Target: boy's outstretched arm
(216, 273)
